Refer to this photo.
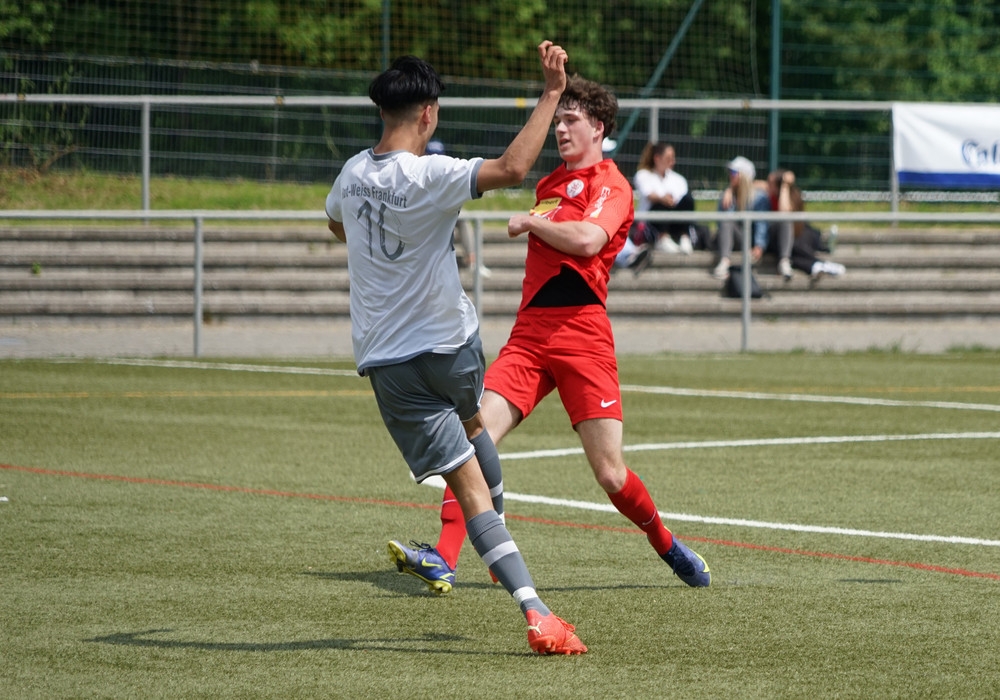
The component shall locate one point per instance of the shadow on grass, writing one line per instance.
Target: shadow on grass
(396, 582)
(427, 643)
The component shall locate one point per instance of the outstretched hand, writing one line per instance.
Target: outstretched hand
(553, 60)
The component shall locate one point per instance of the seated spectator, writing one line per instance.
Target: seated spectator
(804, 256)
(660, 188)
(795, 243)
(464, 235)
(637, 253)
(781, 191)
(741, 195)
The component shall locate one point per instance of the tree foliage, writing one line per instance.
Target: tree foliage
(887, 49)
(940, 50)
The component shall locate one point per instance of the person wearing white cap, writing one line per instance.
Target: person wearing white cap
(740, 195)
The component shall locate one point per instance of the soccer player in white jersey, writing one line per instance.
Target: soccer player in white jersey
(415, 332)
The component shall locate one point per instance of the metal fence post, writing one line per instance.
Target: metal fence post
(775, 138)
(893, 175)
(145, 156)
(199, 263)
(747, 271)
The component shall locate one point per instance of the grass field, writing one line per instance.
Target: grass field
(79, 189)
(25, 189)
(212, 530)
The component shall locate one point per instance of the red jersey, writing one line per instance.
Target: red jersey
(600, 194)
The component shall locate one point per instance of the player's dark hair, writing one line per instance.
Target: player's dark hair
(593, 98)
(409, 82)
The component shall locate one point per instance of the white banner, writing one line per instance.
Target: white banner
(950, 146)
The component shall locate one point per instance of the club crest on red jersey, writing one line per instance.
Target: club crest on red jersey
(574, 188)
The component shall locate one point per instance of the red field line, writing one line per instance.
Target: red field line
(543, 521)
(213, 487)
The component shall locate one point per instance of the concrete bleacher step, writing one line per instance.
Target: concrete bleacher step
(174, 279)
(299, 270)
(113, 303)
(686, 304)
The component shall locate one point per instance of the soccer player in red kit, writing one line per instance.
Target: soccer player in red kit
(562, 337)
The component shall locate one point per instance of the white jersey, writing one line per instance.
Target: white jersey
(648, 182)
(399, 213)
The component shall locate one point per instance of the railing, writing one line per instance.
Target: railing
(478, 219)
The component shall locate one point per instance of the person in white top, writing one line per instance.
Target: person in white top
(661, 188)
(415, 332)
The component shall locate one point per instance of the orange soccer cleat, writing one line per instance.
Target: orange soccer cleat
(552, 635)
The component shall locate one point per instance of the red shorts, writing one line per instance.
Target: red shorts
(571, 349)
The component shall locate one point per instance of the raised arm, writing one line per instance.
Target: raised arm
(785, 202)
(512, 167)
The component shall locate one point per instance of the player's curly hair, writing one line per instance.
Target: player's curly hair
(409, 82)
(593, 98)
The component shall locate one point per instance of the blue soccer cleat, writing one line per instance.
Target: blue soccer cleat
(688, 565)
(424, 562)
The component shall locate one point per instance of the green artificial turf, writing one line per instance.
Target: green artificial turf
(208, 532)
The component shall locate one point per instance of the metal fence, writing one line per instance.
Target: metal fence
(199, 217)
(833, 146)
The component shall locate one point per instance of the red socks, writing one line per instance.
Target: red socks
(452, 529)
(634, 502)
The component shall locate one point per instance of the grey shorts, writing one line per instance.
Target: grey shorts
(423, 402)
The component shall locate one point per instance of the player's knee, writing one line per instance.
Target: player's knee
(474, 426)
(610, 477)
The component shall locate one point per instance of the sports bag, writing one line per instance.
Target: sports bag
(733, 286)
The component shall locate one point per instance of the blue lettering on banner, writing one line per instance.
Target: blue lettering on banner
(983, 162)
(976, 156)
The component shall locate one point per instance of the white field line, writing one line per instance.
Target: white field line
(635, 388)
(741, 522)
(677, 391)
(807, 398)
(759, 442)
(438, 482)
(226, 366)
